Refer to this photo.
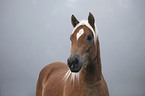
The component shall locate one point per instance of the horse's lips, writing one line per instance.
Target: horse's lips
(75, 68)
(72, 66)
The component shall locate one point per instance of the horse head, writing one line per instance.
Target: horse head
(83, 41)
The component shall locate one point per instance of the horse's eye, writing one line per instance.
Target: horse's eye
(89, 37)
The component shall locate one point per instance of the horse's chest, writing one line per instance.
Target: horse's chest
(80, 91)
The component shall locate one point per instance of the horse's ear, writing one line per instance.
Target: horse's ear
(91, 20)
(74, 21)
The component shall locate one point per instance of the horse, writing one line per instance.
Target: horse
(82, 75)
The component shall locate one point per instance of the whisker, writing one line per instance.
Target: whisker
(75, 76)
(67, 75)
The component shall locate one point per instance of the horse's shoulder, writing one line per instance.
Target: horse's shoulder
(51, 68)
(56, 65)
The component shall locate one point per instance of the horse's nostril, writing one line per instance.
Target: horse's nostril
(72, 61)
(76, 61)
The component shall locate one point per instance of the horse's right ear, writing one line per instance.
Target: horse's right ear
(74, 21)
(91, 20)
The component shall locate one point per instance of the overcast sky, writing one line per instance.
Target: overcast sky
(34, 33)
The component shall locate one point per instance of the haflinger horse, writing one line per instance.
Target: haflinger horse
(82, 75)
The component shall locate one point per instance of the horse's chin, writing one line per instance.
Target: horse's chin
(74, 71)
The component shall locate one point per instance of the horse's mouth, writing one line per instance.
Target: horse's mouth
(75, 67)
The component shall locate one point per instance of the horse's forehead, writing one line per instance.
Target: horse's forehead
(83, 29)
(87, 26)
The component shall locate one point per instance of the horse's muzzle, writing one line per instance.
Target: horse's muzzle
(74, 63)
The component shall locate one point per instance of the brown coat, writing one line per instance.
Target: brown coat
(91, 82)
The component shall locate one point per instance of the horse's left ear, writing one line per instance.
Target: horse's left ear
(91, 20)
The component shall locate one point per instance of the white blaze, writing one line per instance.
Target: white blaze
(81, 32)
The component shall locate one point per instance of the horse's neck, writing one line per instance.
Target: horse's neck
(93, 73)
(98, 62)
(89, 77)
